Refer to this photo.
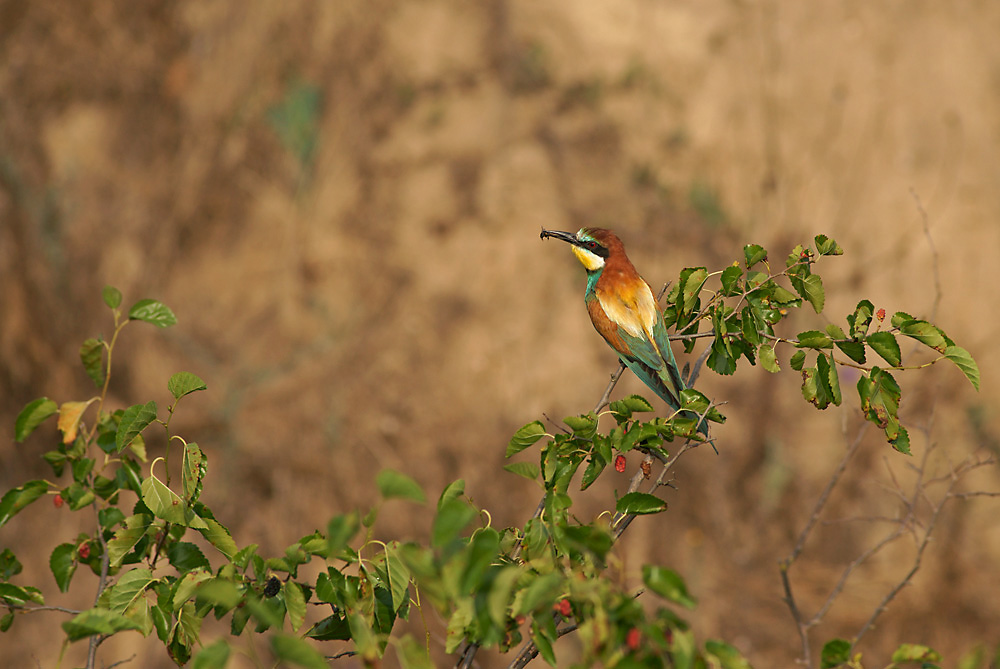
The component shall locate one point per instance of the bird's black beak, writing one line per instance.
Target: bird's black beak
(565, 236)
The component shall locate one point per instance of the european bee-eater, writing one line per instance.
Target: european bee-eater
(625, 313)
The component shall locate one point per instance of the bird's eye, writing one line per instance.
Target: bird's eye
(592, 246)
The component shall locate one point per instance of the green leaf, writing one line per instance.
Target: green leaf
(451, 519)
(540, 592)
(583, 426)
(811, 288)
(963, 359)
(480, 554)
(814, 339)
(219, 593)
(499, 597)
(640, 503)
(189, 585)
(167, 505)
(854, 350)
(721, 358)
(885, 344)
(217, 535)
(153, 312)
(753, 254)
(112, 296)
(141, 615)
(925, 333)
(134, 420)
(899, 318)
(725, 655)
(339, 531)
(826, 372)
(898, 437)
(193, 470)
(798, 261)
(692, 279)
(814, 390)
(17, 498)
(184, 383)
(879, 394)
(399, 576)
(594, 468)
(731, 280)
(451, 491)
(768, 360)
(783, 297)
(523, 469)
(861, 319)
(129, 588)
(297, 652)
(18, 596)
(698, 402)
(911, 652)
(213, 656)
(667, 584)
(185, 556)
(835, 653)
(331, 628)
(295, 604)
(458, 623)
(827, 247)
(78, 495)
(637, 403)
(62, 562)
(797, 360)
(127, 538)
(525, 437)
(394, 485)
(543, 644)
(9, 565)
(31, 416)
(92, 355)
(97, 621)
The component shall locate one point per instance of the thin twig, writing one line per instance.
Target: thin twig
(33, 609)
(606, 397)
(883, 605)
(529, 651)
(102, 582)
(821, 502)
(800, 623)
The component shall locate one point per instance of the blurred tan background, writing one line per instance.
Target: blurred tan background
(341, 202)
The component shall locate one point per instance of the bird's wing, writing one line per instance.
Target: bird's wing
(629, 320)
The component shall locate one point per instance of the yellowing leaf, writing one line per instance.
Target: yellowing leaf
(69, 419)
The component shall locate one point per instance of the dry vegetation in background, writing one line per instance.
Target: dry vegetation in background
(341, 202)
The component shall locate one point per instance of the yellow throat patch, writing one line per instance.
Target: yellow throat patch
(591, 261)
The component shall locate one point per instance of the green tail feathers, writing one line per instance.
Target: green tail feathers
(667, 384)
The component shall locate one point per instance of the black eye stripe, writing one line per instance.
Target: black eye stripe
(595, 248)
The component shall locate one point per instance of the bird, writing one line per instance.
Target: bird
(623, 310)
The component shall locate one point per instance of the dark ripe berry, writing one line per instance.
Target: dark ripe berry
(272, 587)
(620, 463)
